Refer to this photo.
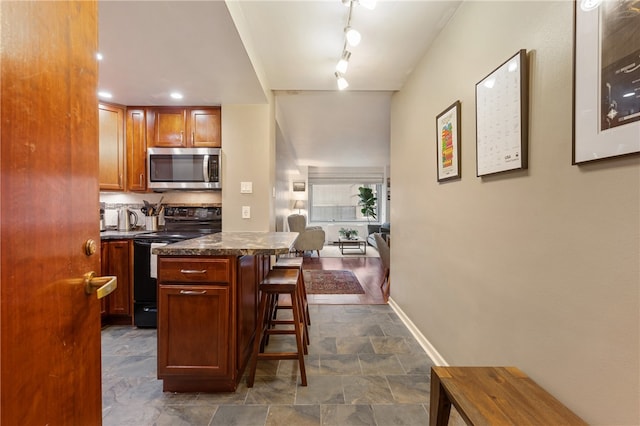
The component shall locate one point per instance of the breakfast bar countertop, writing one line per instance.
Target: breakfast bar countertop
(231, 244)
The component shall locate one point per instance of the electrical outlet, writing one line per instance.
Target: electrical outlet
(246, 212)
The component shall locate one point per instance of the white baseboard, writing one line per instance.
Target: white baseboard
(422, 341)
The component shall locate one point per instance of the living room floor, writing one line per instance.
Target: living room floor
(368, 270)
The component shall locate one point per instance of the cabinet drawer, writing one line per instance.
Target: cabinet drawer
(193, 270)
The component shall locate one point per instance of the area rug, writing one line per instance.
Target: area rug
(331, 282)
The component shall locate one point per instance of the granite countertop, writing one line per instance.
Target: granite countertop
(231, 244)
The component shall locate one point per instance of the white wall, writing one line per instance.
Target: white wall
(537, 268)
(248, 135)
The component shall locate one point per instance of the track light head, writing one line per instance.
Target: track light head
(342, 82)
(353, 36)
(343, 63)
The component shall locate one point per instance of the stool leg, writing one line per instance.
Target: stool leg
(303, 316)
(268, 321)
(262, 311)
(303, 288)
(297, 321)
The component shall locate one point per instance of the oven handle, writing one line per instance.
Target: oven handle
(193, 293)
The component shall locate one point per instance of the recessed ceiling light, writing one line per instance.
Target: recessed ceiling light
(105, 95)
(176, 95)
(99, 56)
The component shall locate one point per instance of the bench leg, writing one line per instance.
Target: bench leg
(439, 405)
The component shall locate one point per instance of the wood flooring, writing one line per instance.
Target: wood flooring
(368, 270)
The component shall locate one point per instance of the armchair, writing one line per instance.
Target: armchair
(310, 238)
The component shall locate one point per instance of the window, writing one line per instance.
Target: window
(338, 202)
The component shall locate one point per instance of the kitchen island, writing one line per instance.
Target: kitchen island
(208, 306)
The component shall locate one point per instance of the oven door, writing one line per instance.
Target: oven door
(184, 168)
(145, 283)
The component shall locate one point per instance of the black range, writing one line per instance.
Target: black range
(181, 223)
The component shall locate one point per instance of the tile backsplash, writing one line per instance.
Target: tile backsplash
(112, 201)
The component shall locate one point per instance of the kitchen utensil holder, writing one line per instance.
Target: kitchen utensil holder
(151, 223)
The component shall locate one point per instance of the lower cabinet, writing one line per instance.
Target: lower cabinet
(196, 331)
(207, 318)
(117, 260)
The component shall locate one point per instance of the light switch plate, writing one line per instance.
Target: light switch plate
(246, 212)
(246, 187)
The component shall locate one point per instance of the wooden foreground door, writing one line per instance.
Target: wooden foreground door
(49, 327)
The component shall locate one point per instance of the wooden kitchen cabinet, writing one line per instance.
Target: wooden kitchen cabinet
(175, 127)
(204, 125)
(111, 147)
(207, 319)
(136, 149)
(195, 333)
(117, 260)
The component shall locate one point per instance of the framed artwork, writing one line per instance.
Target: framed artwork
(298, 186)
(448, 143)
(606, 81)
(502, 117)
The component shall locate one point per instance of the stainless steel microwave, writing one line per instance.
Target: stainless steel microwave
(184, 168)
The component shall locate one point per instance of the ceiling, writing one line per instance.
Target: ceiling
(218, 52)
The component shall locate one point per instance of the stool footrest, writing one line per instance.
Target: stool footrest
(278, 355)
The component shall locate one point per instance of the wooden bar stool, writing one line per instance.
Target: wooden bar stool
(295, 263)
(277, 282)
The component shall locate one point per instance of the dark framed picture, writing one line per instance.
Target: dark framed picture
(448, 143)
(298, 186)
(606, 79)
(502, 117)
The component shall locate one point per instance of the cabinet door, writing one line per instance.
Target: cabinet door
(166, 127)
(111, 151)
(119, 261)
(136, 150)
(194, 331)
(204, 128)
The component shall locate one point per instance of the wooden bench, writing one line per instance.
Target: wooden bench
(494, 396)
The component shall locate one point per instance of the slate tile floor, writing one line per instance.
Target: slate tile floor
(364, 368)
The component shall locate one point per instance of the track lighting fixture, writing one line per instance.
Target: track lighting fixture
(352, 38)
(343, 63)
(342, 82)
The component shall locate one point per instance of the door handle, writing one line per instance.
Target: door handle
(102, 286)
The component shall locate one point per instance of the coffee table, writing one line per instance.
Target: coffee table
(358, 244)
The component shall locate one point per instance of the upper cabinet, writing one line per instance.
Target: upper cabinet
(205, 127)
(183, 127)
(111, 138)
(136, 149)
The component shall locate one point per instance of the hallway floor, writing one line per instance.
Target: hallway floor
(363, 368)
